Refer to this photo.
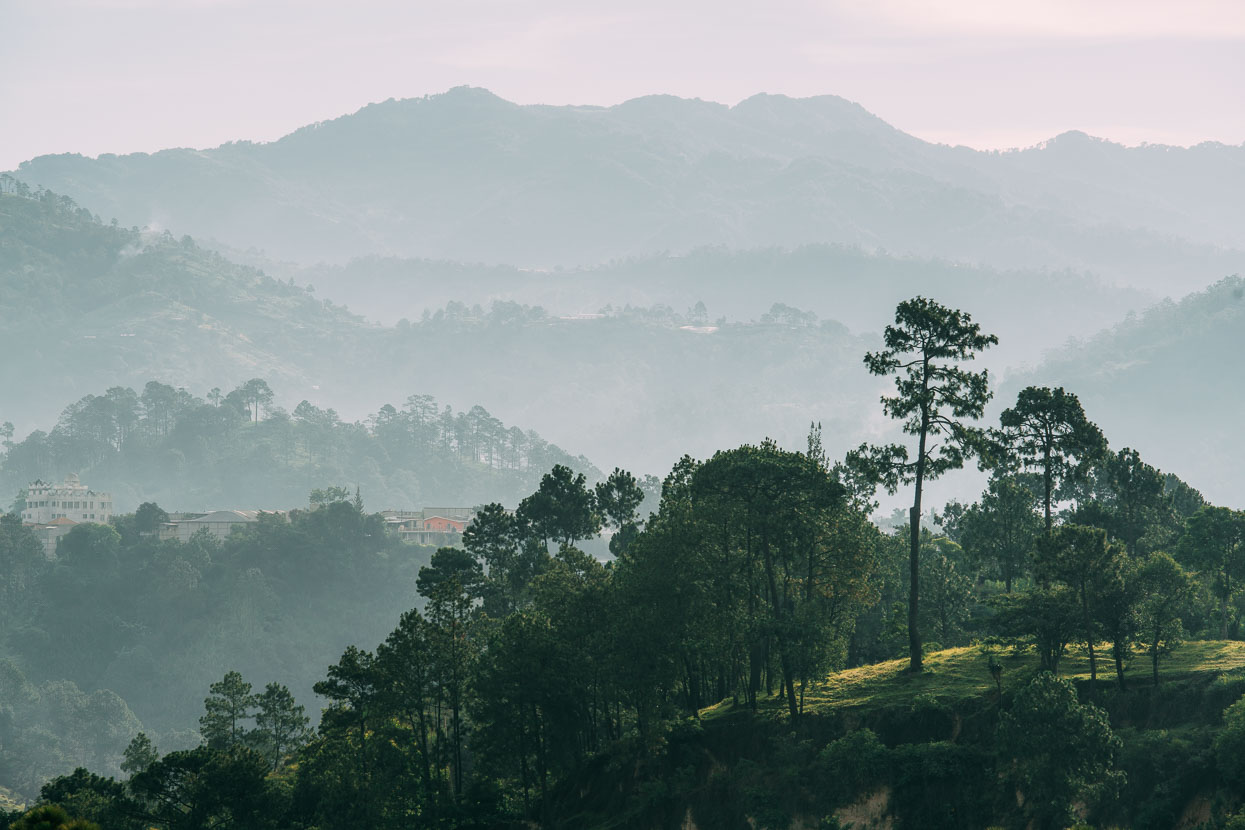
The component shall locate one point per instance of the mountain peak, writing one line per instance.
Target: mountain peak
(824, 111)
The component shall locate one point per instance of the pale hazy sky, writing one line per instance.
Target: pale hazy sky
(96, 76)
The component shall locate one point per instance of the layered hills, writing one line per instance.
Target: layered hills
(97, 306)
(468, 176)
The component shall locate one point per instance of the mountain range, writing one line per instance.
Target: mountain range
(467, 176)
(635, 282)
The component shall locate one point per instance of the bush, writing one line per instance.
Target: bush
(853, 765)
(939, 785)
(1230, 744)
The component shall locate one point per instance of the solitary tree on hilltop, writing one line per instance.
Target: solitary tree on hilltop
(934, 397)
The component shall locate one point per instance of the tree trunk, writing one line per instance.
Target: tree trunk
(1046, 476)
(789, 684)
(915, 661)
(1118, 649)
(1089, 644)
(1223, 616)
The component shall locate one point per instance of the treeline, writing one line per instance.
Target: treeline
(239, 449)
(1102, 566)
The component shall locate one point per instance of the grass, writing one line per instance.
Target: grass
(9, 800)
(961, 673)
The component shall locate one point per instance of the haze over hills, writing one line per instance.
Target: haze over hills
(1033, 309)
(1165, 383)
(432, 205)
(88, 304)
(105, 306)
(468, 176)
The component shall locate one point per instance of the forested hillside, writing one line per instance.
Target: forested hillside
(87, 305)
(241, 451)
(1165, 379)
(468, 176)
(122, 632)
(731, 668)
(96, 306)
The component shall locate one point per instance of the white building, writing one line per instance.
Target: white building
(71, 499)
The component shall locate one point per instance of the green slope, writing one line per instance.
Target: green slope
(931, 760)
(960, 676)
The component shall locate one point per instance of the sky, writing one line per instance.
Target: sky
(95, 76)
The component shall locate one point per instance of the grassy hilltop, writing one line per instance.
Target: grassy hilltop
(878, 747)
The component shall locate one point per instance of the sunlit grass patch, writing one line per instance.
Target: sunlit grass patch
(963, 673)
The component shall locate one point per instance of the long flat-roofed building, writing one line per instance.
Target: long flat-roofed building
(220, 523)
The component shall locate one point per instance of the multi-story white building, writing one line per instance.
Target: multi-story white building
(71, 499)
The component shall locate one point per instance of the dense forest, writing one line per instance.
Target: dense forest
(756, 652)
(122, 631)
(240, 450)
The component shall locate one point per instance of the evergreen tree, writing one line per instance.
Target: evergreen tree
(1047, 430)
(227, 707)
(934, 399)
(280, 724)
(140, 754)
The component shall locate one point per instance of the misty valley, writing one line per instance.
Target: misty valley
(459, 463)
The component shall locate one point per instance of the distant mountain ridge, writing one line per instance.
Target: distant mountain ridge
(1033, 310)
(468, 176)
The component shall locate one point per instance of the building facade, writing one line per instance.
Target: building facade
(220, 523)
(435, 526)
(71, 499)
